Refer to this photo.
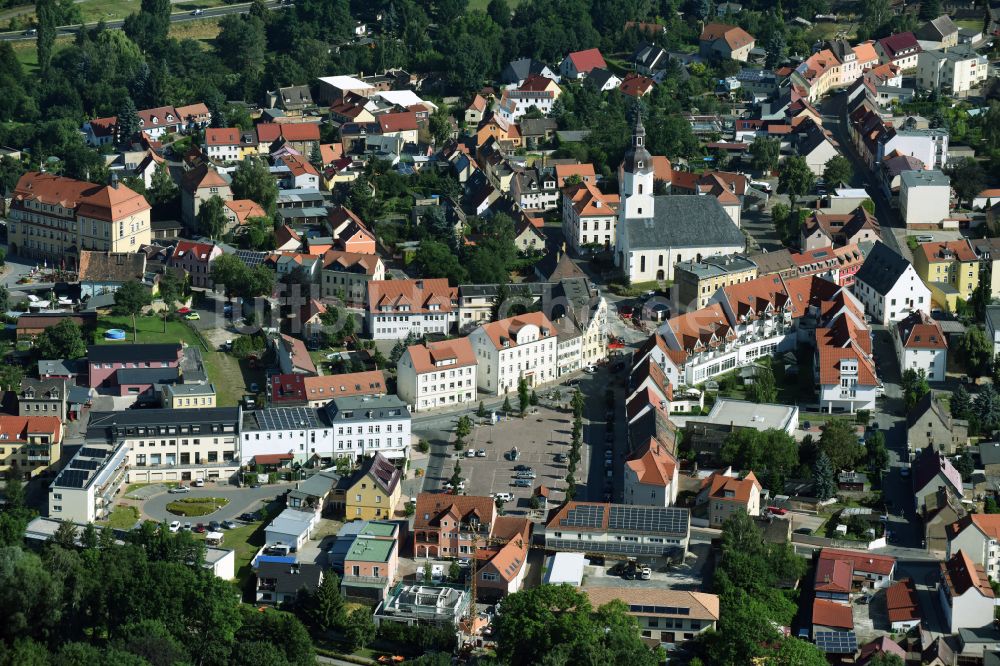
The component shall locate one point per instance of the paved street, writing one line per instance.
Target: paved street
(241, 500)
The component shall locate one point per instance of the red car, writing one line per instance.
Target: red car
(200, 528)
(778, 511)
(183, 311)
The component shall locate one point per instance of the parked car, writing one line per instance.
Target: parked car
(590, 369)
(481, 453)
(200, 528)
(186, 527)
(214, 526)
(561, 457)
(503, 497)
(522, 483)
(776, 510)
(198, 12)
(178, 490)
(192, 316)
(228, 525)
(175, 526)
(471, 453)
(521, 468)
(525, 475)
(645, 573)
(198, 483)
(254, 387)
(246, 517)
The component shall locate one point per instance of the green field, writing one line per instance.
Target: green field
(148, 330)
(190, 507)
(122, 517)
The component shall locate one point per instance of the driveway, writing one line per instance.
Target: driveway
(241, 500)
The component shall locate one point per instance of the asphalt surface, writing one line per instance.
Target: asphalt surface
(176, 17)
(241, 500)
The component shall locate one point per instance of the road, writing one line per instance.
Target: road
(241, 500)
(832, 110)
(176, 17)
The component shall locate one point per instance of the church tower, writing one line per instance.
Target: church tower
(636, 178)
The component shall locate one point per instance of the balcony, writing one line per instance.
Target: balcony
(40, 458)
(365, 581)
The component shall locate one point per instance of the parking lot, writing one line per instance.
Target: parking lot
(538, 437)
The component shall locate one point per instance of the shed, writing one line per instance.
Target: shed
(291, 528)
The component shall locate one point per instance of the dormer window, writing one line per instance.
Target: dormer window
(639, 163)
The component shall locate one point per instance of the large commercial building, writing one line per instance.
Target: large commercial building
(54, 218)
(593, 527)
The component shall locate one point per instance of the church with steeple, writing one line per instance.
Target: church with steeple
(653, 233)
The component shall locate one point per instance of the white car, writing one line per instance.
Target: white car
(175, 526)
(645, 573)
(471, 453)
(590, 369)
(503, 497)
(198, 12)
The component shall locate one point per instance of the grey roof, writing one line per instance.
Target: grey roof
(536, 289)
(882, 268)
(923, 178)
(716, 266)
(290, 578)
(987, 634)
(317, 485)
(43, 387)
(989, 453)
(147, 375)
(650, 56)
(936, 29)
(105, 425)
(133, 352)
(599, 76)
(537, 126)
(774, 262)
(357, 408)
(193, 389)
(282, 418)
(684, 221)
(992, 317)
(192, 366)
(80, 395)
(572, 136)
(519, 70)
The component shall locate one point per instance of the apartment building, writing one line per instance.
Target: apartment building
(171, 444)
(105, 362)
(29, 444)
(198, 186)
(921, 345)
(536, 91)
(363, 426)
(671, 617)
(534, 189)
(976, 535)
(726, 494)
(651, 475)
(445, 525)
(437, 374)
(837, 230)
(373, 492)
(954, 72)
(924, 198)
(85, 490)
(966, 597)
(189, 396)
(223, 144)
(697, 281)
(621, 529)
(303, 433)
(889, 287)
(372, 561)
(515, 348)
(950, 269)
(53, 218)
(588, 217)
(346, 275)
(901, 49)
(43, 397)
(844, 369)
(396, 308)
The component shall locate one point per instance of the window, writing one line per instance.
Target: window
(489, 576)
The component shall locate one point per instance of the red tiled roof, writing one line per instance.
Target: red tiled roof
(222, 136)
(901, 601)
(901, 41)
(918, 331)
(416, 295)
(584, 61)
(959, 250)
(730, 489)
(432, 507)
(456, 353)
(272, 458)
(652, 463)
(505, 330)
(960, 574)
(102, 202)
(831, 614)
(734, 36)
(636, 85)
(861, 561)
(328, 387)
(397, 122)
(18, 428)
(833, 576)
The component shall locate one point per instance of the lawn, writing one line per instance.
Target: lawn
(191, 507)
(246, 540)
(122, 517)
(231, 377)
(481, 5)
(148, 330)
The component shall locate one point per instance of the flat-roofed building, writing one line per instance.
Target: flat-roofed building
(672, 617)
(595, 527)
(697, 281)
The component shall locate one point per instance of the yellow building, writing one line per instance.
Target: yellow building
(374, 491)
(189, 396)
(950, 269)
(31, 444)
(697, 281)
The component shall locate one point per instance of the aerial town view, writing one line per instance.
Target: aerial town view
(499, 332)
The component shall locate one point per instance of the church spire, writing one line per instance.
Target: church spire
(637, 158)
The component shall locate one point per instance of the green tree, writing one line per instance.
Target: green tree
(439, 125)
(64, 340)
(127, 125)
(824, 483)
(212, 217)
(961, 403)
(764, 153)
(886, 658)
(252, 180)
(965, 466)
(456, 474)
(976, 351)
(65, 535)
(840, 443)
(763, 388)
(523, 396)
(795, 179)
(324, 607)
(929, 10)
(967, 178)
(877, 454)
(794, 652)
(507, 409)
(436, 260)
(481, 410)
(578, 403)
(454, 571)
(360, 629)
(463, 427)
(986, 409)
(838, 171)
(130, 299)
(162, 188)
(46, 13)
(772, 454)
(915, 387)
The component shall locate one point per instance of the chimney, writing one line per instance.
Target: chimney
(114, 180)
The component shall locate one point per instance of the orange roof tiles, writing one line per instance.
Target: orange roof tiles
(411, 296)
(734, 36)
(328, 387)
(588, 201)
(636, 85)
(827, 613)
(403, 121)
(652, 463)
(18, 428)
(102, 202)
(244, 209)
(960, 574)
(730, 489)
(863, 562)
(700, 605)
(865, 52)
(433, 507)
(959, 250)
(443, 355)
(584, 61)
(336, 260)
(564, 171)
(503, 333)
(833, 576)
(901, 601)
(222, 136)
(918, 331)
(509, 558)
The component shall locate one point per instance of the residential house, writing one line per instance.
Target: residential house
(950, 269)
(535, 92)
(528, 238)
(621, 529)
(929, 424)
(818, 74)
(966, 597)
(43, 397)
(293, 99)
(301, 137)
(157, 122)
(105, 272)
(307, 265)
(447, 525)
(475, 110)
(650, 59)
(697, 281)
(348, 231)
(651, 475)
(579, 64)
(921, 346)
(636, 85)
(29, 444)
(725, 41)
(301, 174)
(517, 71)
(844, 367)
(726, 494)
(924, 198)
(506, 556)
(396, 308)
(902, 605)
(817, 147)
(314, 493)
(223, 144)
(825, 230)
(437, 374)
(421, 604)
(584, 173)
(239, 211)
(198, 186)
(876, 139)
(318, 391)
(512, 349)
(588, 217)
(976, 535)
(401, 124)
(53, 218)
(830, 616)
(602, 80)
(374, 490)
(188, 396)
(837, 264)
(939, 33)
(372, 562)
(30, 324)
(293, 357)
(195, 260)
(81, 490)
(901, 49)
(667, 617)
(989, 458)
(282, 583)
(346, 275)
(891, 170)
(193, 116)
(932, 471)
(889, 287)
(993, 327)
(866, 570)
(285, 435)
(955, 72)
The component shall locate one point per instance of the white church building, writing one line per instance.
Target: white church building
(656, 232)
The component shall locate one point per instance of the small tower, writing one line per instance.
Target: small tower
(637, 176)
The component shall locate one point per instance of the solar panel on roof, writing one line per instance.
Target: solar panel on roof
(74, 478)
(92, 452)
(837, 642)
(647, 519)
(84, 464)
(287, 419)
(584, 516)
(251, 258)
